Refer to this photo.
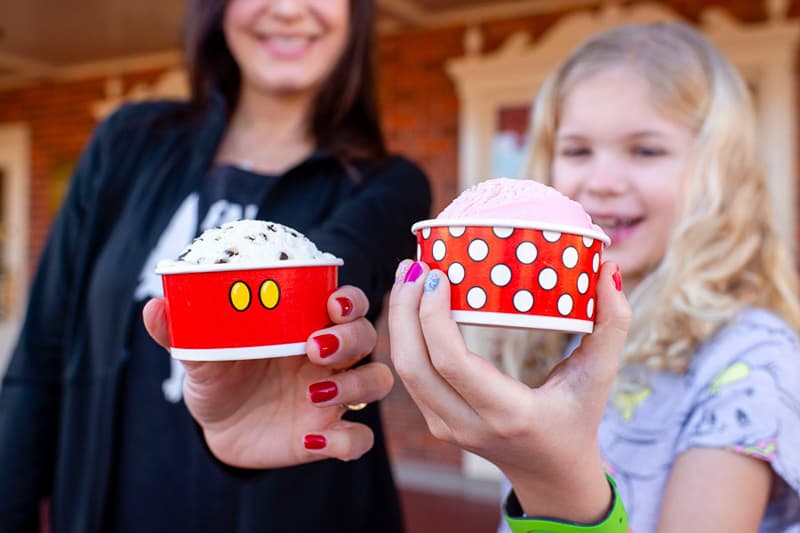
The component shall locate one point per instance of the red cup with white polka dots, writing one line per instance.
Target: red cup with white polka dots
(516, 273)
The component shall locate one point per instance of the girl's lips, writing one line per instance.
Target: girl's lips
(618, 228)
(287, 47)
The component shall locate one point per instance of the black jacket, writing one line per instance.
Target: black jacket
(57, 403)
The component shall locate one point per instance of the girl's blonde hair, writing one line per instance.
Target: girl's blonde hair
(725, 254)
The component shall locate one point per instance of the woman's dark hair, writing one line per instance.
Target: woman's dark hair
(344, 117)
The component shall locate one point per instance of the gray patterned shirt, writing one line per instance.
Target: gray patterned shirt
(741, 393)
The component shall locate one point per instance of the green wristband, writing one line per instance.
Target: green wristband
(615, 522)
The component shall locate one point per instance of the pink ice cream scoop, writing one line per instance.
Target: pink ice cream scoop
(518, 199)
(517, 253)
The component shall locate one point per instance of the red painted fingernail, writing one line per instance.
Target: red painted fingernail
(414, 272)
(346, 304)
(327, 343)
(322, 391)
(617, 277)
(314, 442)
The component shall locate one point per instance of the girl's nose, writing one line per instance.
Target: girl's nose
(607, 176)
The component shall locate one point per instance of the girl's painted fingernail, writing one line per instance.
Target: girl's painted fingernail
(327, 343)
(314, 442)
(346, 305)
(322, 391)
(617, 277)
(431, 282)
(400, 275)
(414, 272)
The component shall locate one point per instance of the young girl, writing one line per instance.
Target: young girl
(653, 131)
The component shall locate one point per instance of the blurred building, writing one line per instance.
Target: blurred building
(456, 79)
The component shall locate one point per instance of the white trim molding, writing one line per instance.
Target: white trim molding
(764, 52)
(172, 84)
(411, 13)
(15, 164)
(29, 72)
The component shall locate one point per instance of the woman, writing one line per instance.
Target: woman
(282, 125)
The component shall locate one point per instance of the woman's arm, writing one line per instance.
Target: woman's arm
(29, 399)
(371, 230)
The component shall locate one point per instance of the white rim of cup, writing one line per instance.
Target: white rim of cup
(178, 267)
(510, 223)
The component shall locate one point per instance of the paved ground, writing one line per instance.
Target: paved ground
(435, 513)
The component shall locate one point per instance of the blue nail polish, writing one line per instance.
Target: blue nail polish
(431, 282)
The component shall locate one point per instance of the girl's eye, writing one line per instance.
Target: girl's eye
(577, 151)
(647, 151)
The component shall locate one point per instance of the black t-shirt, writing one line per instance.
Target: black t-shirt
(164, 478)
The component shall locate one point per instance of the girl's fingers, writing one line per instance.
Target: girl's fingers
(155, 321)
(597, 358)
(347, 303)
(367, 383)
(435, 398)
(342, 345)
(342, 440)
(489, 392)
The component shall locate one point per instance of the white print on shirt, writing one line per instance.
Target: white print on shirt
(179, 232)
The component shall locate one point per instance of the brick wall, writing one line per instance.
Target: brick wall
(420, 112)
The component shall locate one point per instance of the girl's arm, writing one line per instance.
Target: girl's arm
(715, 491)
(543, 439)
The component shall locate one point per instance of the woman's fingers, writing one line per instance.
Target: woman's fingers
(342, 345)
(363, 384)
(155, 321)
(492, 394)
(597, 358)
(346, 304)
(343, 440)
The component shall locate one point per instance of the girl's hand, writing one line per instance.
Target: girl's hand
(267, 413)
(543, 439)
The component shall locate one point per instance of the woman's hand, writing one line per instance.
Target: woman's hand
(267, 413)
(544, 439)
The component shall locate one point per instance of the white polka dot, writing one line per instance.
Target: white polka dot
(503, 233)
(565, 304)
(588, 241)
(583, 283)
(551, 236)
(456, 231)
(570, 257)
(476, 297)
(455, 273)
(439, 250)
(596, 262)
(527, 252)
(500, 275)
(590, 308)
(523, 301)
(419, 252)
(426, 232)
(548, 278)
(478, 250)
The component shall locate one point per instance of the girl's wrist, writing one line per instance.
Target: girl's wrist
(580, 493)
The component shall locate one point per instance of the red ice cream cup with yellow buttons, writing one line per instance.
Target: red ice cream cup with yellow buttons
(516, 273)
(218, 312)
